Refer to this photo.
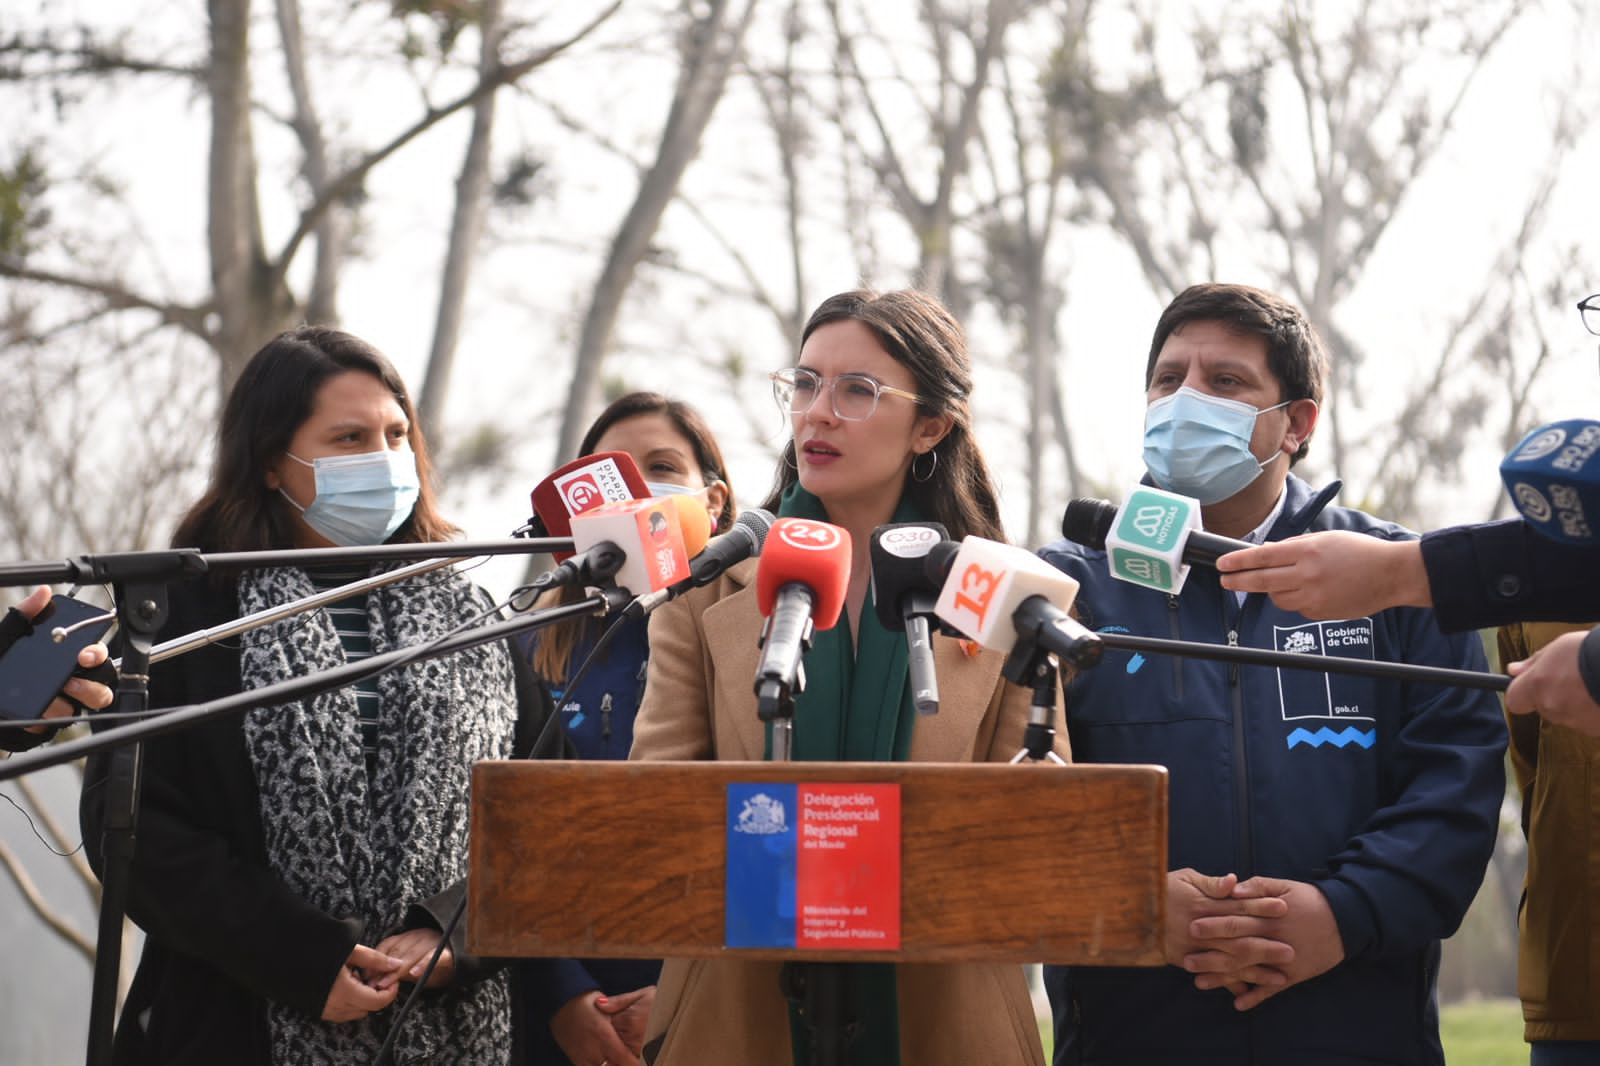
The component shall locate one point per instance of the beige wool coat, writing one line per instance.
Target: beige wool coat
(699, 704)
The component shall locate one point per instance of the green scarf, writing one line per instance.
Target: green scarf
(856, 708)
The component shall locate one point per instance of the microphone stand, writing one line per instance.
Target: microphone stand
(1031, 665)
(919, 607)
(139, 581)
(141, 599)
(128, 739)
(817, 989)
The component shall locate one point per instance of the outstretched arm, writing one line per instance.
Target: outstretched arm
(1332, 574)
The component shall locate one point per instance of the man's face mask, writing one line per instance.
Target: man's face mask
(1199, 446)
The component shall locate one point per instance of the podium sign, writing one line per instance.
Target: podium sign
(999, 863)
(813, 866)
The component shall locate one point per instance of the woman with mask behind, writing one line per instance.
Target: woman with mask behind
(293, 864)
(585, 1011)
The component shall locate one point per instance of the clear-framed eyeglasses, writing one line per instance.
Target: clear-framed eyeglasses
(1589, 308)
(854, 396)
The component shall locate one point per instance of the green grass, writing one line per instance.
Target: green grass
(1485, 1033)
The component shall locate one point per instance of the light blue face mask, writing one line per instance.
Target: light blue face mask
(670, 488)
(1199, 446)
(361, 499)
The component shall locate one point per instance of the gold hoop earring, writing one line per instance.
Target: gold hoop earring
(788, 462)
(931, 466)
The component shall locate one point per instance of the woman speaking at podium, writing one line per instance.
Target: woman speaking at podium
(879, 408)
(288, 859)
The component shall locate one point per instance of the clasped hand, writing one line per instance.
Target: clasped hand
(370, 978)
(595, 1028)
(1254, 938)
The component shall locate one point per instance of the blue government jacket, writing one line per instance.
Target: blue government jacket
(1383, 795)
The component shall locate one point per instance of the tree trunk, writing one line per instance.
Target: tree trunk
(708, 57)
(472, 203)
(250, 304)
(322, 306)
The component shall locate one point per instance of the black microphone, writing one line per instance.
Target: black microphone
(1088, 522)
(594, 565)
(721, 554)
(904, 594)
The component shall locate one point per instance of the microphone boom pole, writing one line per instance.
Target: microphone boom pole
(168, 649)
(294, 688)
(177, 563)
(1321, 664)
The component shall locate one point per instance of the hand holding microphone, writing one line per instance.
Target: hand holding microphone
(1154, 539)
(1552, 684)
(1331, 574)
(1552, 476)
(1151, 540)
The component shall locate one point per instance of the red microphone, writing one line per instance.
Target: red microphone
(582, 485)
(800, 588)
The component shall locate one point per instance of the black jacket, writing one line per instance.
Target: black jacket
(1502, 572)
(224, 935)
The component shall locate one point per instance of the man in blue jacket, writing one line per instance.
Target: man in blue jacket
(1326, 831)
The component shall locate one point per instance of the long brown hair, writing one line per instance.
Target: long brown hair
(557, 641)
(923, 336)
(273, 397)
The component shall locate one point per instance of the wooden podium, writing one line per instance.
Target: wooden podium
(1001, 863)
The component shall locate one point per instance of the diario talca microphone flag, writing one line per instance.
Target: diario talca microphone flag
(814, 554)
(582, 485)
(649, 534)
(1554, 480)
(1145, 544)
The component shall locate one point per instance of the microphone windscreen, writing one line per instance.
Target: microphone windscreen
(988, 581)
(1088, 521)
(647, 531)
(582, 485)
(1553, 477)
(814, 554)
(693, 519)
(899, 556)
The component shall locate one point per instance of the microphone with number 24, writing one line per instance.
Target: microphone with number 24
(800, 588)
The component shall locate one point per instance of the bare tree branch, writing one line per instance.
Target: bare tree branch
(40, 906)
(348, 182)
(116, 297)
